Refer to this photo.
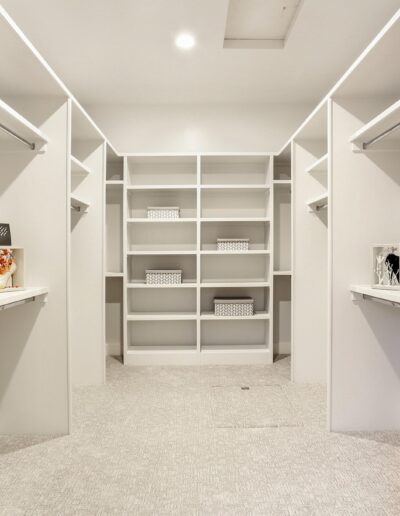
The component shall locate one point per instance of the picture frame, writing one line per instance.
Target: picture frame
(386, 266)
(5, 234)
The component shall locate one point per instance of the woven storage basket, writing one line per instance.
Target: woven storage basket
(232, 244)
(232, 307)
(163, 277)
(163, 212)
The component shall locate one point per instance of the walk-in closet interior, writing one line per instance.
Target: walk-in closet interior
(193, 255)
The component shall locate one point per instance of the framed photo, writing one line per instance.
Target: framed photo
(386, 266)
(5, 234)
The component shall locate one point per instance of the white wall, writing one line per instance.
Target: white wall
(198, 128)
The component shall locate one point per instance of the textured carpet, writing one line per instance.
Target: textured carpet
(200, 441)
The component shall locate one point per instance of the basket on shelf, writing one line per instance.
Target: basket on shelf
(163, 212)
(163, 277)
(232, 244)
(233, 307)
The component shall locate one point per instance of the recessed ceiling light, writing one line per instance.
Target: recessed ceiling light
(185, 41)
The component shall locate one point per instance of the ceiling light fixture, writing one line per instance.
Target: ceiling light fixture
(185, 41)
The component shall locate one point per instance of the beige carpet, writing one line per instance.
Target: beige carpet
(194, 441)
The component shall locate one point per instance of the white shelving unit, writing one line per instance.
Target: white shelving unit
(17, 133)
(384, 128)
(219, 197)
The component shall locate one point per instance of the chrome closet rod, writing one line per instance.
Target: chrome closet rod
(31, 145)
(381, 136)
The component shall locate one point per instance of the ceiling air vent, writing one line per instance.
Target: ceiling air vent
(259, 23)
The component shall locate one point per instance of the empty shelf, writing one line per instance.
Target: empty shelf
(14, 127)
(162, 316)
(79, 168)
(156, 221)
(388, 296)
(235, 219)
(318, 203)
(247, 187)
(282, 273)
(78, 204)
(114, 274)
(160, 252)
(161, 187)
(250, 251)
(385, 125)
(10, 299)
(282, 182)
(233, 283)
(321, 165)
(210, 316)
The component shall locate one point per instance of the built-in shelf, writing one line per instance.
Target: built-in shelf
(387, 296)
(11, 299)
(385, 125)
(321, 165)
(18, 130)
(78, 204)
(250, 251)
(282, 182)
(318, 203)
(226, 348)
(156, 221)
(282, 273)
(161, 252)
(78, 168)
(246, 187)
(114, 182)
(114, 274)
(210, 316)
(141, 284)
(162, 187)
(235, 219)
(162, 316)
(233, 283)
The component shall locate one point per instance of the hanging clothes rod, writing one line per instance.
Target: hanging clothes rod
(322, 207)
(31, 145)
(76, 208)
(380, 136)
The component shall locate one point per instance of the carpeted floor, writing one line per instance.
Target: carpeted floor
(201, 441)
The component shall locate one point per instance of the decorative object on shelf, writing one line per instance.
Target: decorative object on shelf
(163, 212)
(8, 268)
(386, 263)
(163, 277)
(232, 244)
(233, 307)
(5, 234)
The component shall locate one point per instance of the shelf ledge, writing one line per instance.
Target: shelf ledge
(19, 131)
(318, 203)
(78, 168)
(379, 128)
(321, 165)
(12, 299)
(78, 204)
(391, 297)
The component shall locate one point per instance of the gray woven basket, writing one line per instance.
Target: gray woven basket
(163, 277)
(233, 307)
(232, 244)
(163, 212)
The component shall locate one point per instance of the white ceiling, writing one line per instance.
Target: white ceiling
(122, 51)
